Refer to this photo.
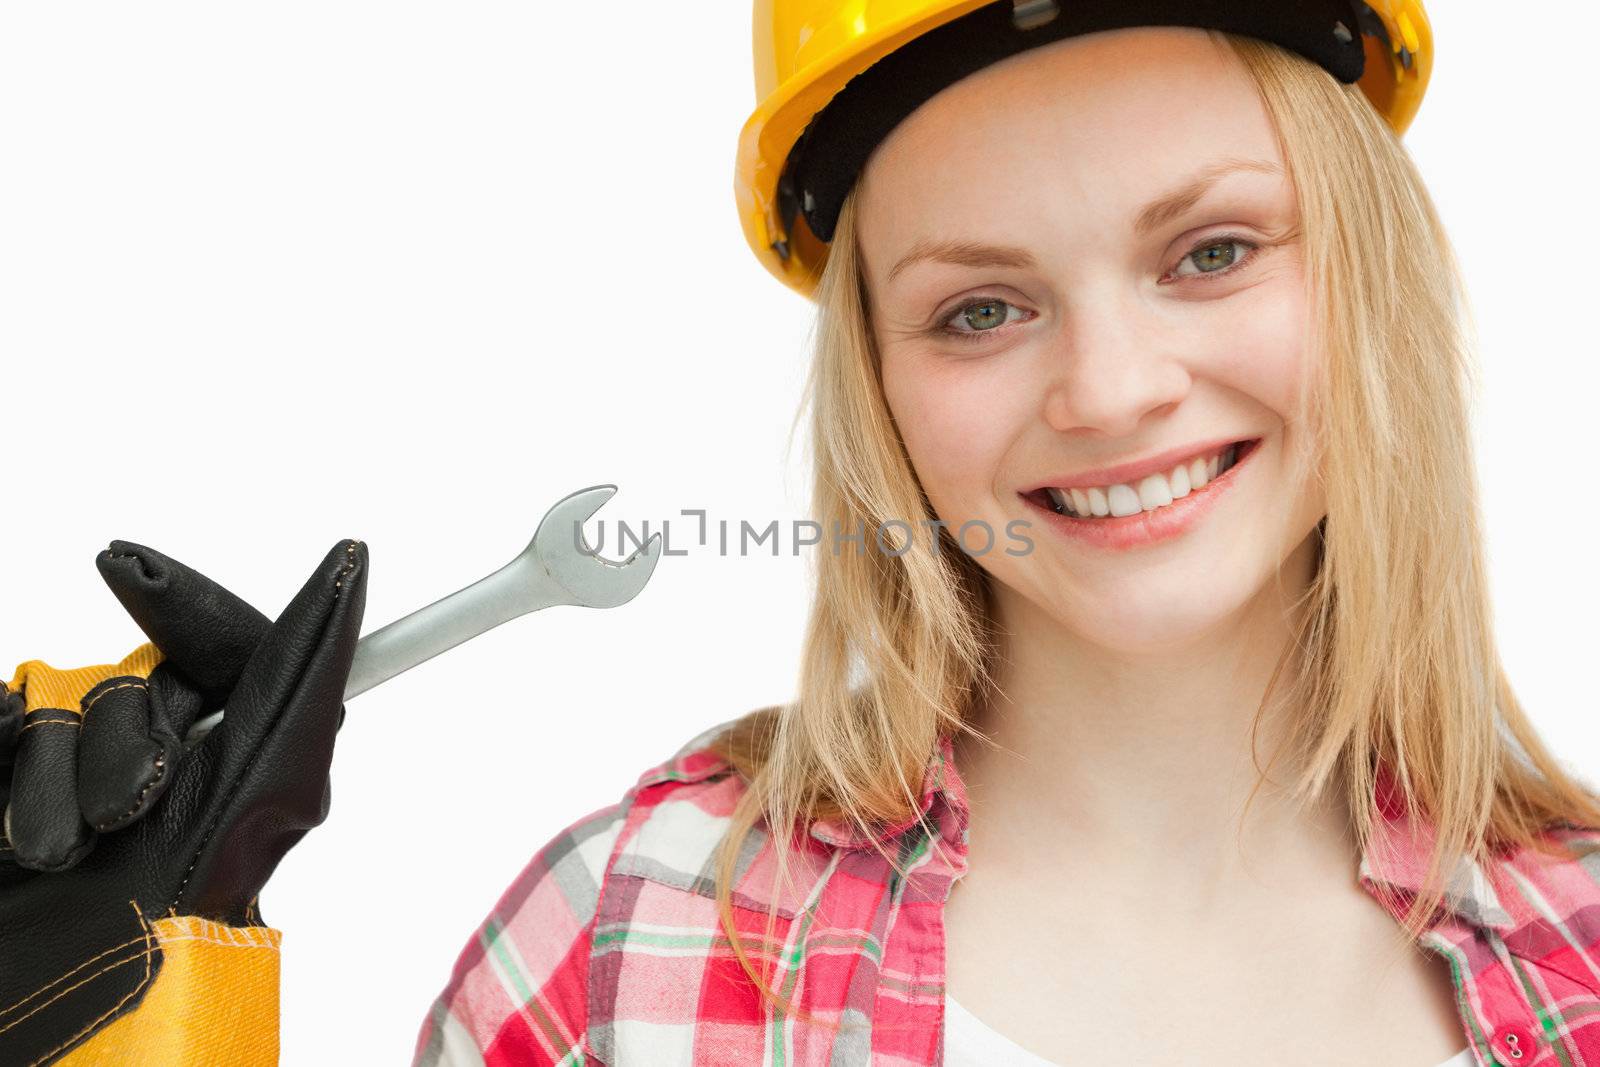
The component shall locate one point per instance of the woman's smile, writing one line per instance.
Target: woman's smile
(1158, 507)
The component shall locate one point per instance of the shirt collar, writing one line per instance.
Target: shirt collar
(1396, 860)
(1391, 869)
(941, 784)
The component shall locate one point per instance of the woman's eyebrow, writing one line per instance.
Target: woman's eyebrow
(964, 254)
(1187, 195)
(1164, 208)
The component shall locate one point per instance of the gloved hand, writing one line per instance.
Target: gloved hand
(134, 833)
(79, 765)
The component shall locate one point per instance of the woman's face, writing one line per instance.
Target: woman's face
(1053, 295)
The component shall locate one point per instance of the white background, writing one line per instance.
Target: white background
(276, 275)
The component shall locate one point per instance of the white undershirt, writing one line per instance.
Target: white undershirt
(970, 1042)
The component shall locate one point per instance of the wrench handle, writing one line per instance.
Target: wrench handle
(444, 624)
(516, 589)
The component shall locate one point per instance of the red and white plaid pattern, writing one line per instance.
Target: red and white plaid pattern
(607, 948)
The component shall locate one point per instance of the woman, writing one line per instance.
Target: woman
(1151, 709)
(1176, 299)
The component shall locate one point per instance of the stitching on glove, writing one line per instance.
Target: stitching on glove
(160, 760)
(146, 954)
(50, 722)
(95, 699)
(198, 928)
(138, 801)
(134, 992)
(349, 565)
(63, 978)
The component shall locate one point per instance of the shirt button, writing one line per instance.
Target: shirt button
(1513, 1045)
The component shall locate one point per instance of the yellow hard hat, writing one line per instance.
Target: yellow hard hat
(834, 76)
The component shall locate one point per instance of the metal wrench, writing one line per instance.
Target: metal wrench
(557, 567)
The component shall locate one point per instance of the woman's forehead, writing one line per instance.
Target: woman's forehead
(1132, 91)
(1110, 119)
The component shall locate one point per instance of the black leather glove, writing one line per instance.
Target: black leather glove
(95, 763)
(202, 830)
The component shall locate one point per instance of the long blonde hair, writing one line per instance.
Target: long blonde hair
(1400, 659)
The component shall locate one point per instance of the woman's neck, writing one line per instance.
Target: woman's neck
(1132, 769)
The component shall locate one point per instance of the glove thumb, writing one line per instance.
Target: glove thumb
(270, 756)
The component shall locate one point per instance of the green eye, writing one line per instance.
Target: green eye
(985, 316)
(981, 315)
(1219, 255)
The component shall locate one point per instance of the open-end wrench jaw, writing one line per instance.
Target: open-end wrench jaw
(589, 579)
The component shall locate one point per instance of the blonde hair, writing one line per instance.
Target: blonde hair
(1399, 657)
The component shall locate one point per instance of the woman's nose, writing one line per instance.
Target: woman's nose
(1107, 369)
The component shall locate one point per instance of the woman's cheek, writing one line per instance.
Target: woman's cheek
(957, 418)
(1261, 348)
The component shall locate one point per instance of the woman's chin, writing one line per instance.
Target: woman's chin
(1178, 623)
(1141, 613)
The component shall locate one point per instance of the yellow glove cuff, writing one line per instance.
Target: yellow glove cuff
(214, 1000)
(44, 686)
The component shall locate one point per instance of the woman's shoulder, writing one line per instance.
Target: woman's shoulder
(695, 760)
(673, 821)
(692, 786)
(533, 951)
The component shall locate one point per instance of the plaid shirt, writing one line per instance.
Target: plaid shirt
(607, 948)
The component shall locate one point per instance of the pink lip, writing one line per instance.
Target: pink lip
(1147, 527)
(1130, 473)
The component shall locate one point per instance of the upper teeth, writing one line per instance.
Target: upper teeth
(1153, 491)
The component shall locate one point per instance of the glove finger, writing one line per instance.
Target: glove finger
(205, 632)
(130, 744)
(41, 819)
(275, 742)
